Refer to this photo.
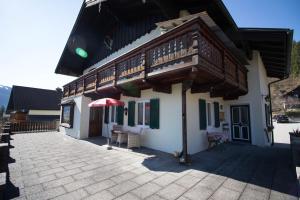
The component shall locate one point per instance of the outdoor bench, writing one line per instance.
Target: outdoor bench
(216, 138)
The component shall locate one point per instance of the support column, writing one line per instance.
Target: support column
(184, 158)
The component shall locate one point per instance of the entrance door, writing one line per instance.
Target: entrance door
(240, 123)
(95, 124)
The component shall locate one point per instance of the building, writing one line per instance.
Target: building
(182, 67)
(292, 100)
(34, 104)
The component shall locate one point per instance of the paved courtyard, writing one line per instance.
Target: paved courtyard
(281, 132)
(53, 166)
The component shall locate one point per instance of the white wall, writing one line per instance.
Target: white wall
(81, 118)
(255, 98)
(197, 139)
(168, 137)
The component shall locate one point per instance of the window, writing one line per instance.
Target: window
(143, 113)
(147, 113)
(208, 114)
(67, 115)
(113, 116)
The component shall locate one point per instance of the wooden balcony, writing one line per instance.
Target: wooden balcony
(188, 52)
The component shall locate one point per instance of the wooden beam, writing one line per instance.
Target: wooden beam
(196, 88)
(159, 87)
(167, 8)
(163, 89)
(207, 87)
(272, 53)
(129, 93)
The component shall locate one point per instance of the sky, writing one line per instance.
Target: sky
(33, 34)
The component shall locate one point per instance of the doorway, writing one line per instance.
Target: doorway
(96, 120)
(240, 123)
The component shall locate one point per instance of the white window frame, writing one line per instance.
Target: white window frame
(144, 113)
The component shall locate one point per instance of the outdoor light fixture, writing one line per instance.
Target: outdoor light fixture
(81, 52)
(125, 111)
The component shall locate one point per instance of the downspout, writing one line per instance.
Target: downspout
(269, 88)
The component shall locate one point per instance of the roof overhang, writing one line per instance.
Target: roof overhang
(91, 14)
(275, 47)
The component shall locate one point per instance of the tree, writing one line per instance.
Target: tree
(2, 110)
(295, 58)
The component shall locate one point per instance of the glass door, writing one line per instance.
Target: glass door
(240, 121)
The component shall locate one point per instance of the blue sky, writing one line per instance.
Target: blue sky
(34, 33)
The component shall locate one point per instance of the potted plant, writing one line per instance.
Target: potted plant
(295, 146)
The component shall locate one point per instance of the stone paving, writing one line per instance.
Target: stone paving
(54, 166)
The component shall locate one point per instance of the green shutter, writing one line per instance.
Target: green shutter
(217, 115)
(131, 113)
(106, 115)
(202, 114)
(120, 115)
(154, 113)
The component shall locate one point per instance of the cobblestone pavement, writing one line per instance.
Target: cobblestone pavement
(54, 166)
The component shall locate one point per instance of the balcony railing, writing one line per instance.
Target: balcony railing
(34, 126)
(191, 44)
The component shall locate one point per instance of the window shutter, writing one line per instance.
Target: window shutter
(106, 115)
(217, 117)
(120, 115)
(154, 113)
(267, 112)
(202, 114)
(131, 113)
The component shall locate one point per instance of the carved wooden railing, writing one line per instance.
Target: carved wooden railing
(34, 126)
(178, 46)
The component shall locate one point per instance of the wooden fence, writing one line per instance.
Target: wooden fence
(34, 126)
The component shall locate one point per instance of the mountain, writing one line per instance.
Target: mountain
(279, 89)
(4, 95)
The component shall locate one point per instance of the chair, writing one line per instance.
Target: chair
(122, 138)
(134, 139)
(114, 132)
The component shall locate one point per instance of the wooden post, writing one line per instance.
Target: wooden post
(185, 86)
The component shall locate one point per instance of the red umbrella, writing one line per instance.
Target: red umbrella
(106, 102)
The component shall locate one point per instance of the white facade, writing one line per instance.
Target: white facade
(255, 98)
(81, 118)
(168, 137)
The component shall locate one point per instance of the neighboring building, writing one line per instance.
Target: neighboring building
(292, 100)
(34, 104)
(182, 67)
